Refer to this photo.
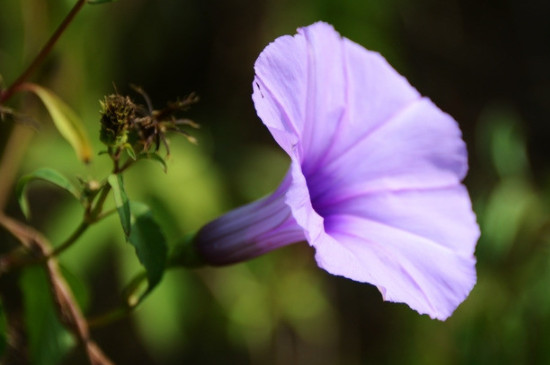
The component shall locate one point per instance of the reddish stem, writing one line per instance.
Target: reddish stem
(8, 93)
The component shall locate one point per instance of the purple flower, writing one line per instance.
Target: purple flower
(374, 183)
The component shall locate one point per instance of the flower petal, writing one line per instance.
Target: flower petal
(317, 78)
(375, 93)
(298, 199)
(416, 246)
(375, 176)
(376, 169)
(280, 89)
(290, 92)
(418, 148)
(442, 215)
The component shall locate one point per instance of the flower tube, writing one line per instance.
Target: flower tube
(374, 183)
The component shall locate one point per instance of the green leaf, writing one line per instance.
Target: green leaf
(49, 341)
(67, 122)
(154, 157)
(45, 174)
(121, 201)
(150, 244)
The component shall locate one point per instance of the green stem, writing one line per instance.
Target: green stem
(69, 241)
(130, 302)
(185, 254)
(126, 165)
(105, 214)
(5, 95)
(109, 317)
(96, 211)
(95, 216)
(186, 257)
(16, 258)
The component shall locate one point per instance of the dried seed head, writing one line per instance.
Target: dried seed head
(117, 116)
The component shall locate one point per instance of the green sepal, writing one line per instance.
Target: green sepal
(185, 254)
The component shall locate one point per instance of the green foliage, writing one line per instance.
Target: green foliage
(66, 121)
(503, 141)
(149, 242)
(121, 201)
(49, 340)
(45, 174)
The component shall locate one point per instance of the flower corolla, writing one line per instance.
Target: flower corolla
(375, 179)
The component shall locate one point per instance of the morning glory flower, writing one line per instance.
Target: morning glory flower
(374, 183)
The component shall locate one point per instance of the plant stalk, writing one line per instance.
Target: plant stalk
(8, 93)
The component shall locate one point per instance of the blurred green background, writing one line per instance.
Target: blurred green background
(486, 62)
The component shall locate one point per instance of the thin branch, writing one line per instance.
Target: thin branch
(71, 316)
(19, 258)
(67, 309)
(127, 306)
(19, 139)
(6, 94)
(27, 236)
(69, 241)
(96, 211)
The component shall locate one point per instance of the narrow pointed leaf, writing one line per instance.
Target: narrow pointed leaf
(130, 151)
(66, 121)
(45, 174)
(154, 157)
(121, 202)
(150, 244)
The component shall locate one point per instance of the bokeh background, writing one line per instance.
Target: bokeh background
(485, 62)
